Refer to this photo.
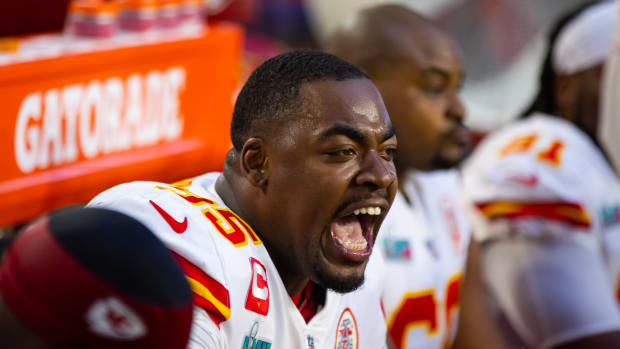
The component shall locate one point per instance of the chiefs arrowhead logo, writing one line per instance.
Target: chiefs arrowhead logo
(178, 227)
(111, 318)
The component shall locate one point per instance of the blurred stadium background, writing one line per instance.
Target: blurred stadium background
(502, 42)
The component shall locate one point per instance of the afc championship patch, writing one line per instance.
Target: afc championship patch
(347, 336)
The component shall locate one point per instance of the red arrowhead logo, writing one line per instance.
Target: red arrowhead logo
(178, 227)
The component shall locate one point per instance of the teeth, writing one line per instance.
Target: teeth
(352, 245)
(373, 211)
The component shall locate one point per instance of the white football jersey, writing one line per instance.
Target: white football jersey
(241, 300)
(424, 246)
(543, 190)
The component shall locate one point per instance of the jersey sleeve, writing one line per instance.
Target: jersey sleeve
(532, 196)
(550, 293)
(181, 227)
(532, 182)
(205, 334)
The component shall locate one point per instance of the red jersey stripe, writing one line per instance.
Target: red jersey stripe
(567, 212)
(209, 294)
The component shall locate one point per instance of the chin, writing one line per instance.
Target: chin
(336, 281)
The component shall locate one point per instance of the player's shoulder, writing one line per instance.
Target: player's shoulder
(188, 215)
(561, 139)
(541, 157)
(400, 211)
(537, 175)
(437, 189)
(150, 189)
(195, 224)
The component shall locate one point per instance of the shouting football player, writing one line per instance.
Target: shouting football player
(545, 201)
(92, 278)
(424, 239)
(270, 244)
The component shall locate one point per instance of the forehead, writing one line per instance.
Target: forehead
(355, 102)
(430, 49)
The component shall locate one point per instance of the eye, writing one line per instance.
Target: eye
(435, 89)
(389, 153)
(436, 83)
(342, 154)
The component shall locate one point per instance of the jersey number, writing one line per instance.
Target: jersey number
(227, 223)
(551, 155)
(421, 309)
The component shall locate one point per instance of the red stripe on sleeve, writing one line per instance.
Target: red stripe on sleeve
(567, 212)
(217, 289)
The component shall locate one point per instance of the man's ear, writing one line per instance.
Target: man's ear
(253, 162)
(566, 90)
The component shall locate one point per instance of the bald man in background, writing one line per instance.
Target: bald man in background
(425, 237)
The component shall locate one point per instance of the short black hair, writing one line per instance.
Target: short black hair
(271, 93)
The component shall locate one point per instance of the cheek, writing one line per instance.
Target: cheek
(427, 111)
(422, 122)
(315, 192)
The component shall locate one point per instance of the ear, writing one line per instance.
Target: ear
(253, 162)
(566, 90)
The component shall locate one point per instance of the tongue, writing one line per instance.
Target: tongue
(348, 229)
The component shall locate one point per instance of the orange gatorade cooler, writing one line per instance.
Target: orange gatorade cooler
(93, 18)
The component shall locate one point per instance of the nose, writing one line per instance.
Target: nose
(456, 109)
(376, 171)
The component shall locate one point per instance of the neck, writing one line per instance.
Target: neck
(294, 281)
(224, 189)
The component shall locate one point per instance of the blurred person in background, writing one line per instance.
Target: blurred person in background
(276, 244)
(92, 278)
(424, 239)
(545, 201)
(610, 108)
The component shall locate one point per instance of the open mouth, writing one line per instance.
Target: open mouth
(352, 234)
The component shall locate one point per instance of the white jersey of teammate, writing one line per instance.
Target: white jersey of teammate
(424, 246)
(546, 206)
(241, 302)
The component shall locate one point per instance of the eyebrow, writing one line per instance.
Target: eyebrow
(389, 133)
(437, 71)
(353, 133)
(444, 74)
(343, 130)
